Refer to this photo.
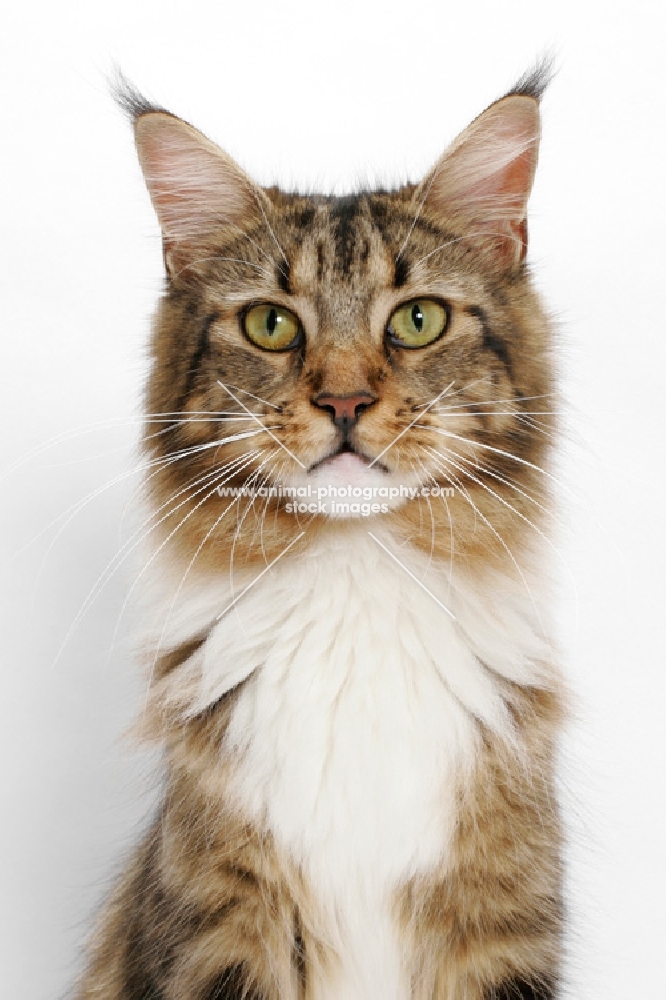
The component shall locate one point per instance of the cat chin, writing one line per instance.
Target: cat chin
(347, 479)
(346, 468)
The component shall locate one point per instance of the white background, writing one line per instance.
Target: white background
(317, 96)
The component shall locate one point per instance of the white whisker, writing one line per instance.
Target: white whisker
(413, 577)
(72, 510)
(495, 402)
(520, 515)
(239, 525)
(464, 388)
(218, 482)
(432, 518)
(475, 411)
(404, 431)
(116, 562)
(497, 535)
(497, 451)
(430, 476)
(183, 578)
(258, 398)
(483, 233)
(263, 426)
(258, 578)
(273, 236)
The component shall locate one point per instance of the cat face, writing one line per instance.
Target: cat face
(381, 339)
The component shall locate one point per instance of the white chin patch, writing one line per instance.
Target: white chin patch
(346, 468)
(347, 486)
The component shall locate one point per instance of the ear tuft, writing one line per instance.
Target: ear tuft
(130, 100)
(534, 81)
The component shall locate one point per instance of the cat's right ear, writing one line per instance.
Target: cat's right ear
(195, 188)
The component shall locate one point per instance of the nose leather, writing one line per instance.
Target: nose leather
(345, 410)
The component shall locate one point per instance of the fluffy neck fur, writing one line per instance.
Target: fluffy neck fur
(359, 719)
(359, 714)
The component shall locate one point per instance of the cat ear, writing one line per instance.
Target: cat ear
(486, 176)
(195, 188)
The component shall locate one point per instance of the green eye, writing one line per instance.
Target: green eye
(418, 323)
(271, 327)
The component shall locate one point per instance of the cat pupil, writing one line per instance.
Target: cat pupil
(417, 317)
(271, 321)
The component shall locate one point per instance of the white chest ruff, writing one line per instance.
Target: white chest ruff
(357, 721)
(348, 737)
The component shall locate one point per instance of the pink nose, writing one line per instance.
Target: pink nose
(345, 410)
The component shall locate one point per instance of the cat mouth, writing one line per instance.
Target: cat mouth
(348, 454)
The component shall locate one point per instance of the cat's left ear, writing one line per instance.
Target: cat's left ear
(486, 177)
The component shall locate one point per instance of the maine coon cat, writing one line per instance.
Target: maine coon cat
(358, 706)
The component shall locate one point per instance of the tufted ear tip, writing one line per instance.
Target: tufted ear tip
(129, 99)
(534, 82)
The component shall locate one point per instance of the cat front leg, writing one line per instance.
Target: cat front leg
(489, 925)
(200, 925)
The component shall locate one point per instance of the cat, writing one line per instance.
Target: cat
(350, 414)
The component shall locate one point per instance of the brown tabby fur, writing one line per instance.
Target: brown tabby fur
(207, 897)
(209, 909)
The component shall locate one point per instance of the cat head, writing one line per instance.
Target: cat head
(380, 340)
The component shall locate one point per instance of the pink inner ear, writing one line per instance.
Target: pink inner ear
(194, 186)
(487, 174)
(508, 188)
(503, 195)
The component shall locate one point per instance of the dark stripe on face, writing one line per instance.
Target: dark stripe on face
(201, 350)
(490, 340)
(343, 214)
(304, 217)
(519, 989)
(283, 274)
(401, 272)
(396, 231)
(394, 227)
(391, 228)
(380, 216)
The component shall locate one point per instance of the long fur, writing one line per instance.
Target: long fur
(359, 713)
